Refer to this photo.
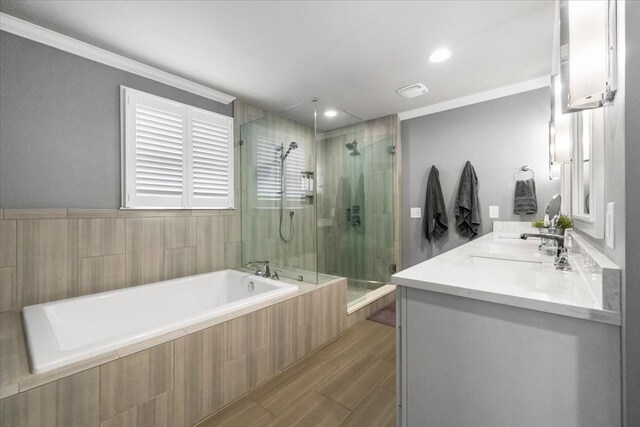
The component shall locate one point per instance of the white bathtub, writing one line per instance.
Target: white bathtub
(63, 332)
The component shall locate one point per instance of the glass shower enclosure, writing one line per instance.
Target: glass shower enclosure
(317, 196)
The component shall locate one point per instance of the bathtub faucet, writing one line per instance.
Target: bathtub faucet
(262, 268)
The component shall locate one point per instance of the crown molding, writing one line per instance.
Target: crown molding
(477, 97)
(42, 35)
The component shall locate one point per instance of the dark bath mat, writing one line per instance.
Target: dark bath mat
(386, 315)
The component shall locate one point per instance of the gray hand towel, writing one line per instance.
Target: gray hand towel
(467, 208)
(435, 223)
(525, 201)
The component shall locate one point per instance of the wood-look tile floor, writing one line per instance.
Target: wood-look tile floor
(348, 382)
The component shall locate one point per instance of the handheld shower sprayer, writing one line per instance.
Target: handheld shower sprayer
(283, 156)
(292, 146)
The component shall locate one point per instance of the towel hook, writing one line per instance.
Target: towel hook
(524, 168)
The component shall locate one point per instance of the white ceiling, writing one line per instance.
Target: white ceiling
(351, 54)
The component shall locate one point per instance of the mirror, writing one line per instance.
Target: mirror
(582, 163)
(587, 192)
(553, 208)
(559, 131)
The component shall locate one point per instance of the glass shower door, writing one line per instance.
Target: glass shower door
(368, 240)
(278, 213)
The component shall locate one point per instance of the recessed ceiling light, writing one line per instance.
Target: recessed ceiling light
(413, 90)
(440, 55)
(330, 113)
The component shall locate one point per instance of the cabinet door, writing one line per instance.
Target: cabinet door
(473, 363)
(401, 301)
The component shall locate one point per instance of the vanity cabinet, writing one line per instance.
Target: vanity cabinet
(465, 362)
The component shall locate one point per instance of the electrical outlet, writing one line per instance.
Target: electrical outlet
(494, 211)
(416, 212)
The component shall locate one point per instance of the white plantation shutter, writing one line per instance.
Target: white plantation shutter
(174, 155)
(294, 167)
(268, 166)
(268, 169)
(211, 179)
(155, 164)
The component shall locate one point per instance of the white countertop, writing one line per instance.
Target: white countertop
(510, 271)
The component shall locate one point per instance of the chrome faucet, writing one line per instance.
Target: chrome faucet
(558, 238)
(561, 260)
(262, 268)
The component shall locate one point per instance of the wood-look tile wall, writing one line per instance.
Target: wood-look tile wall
(185, 380)
(53, 254)
(71, 401)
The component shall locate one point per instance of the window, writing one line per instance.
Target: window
(294, 168)
(268, 169)
(174, 155)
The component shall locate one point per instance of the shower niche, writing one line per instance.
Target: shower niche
(318, 195)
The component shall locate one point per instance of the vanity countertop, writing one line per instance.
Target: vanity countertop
(504, 269)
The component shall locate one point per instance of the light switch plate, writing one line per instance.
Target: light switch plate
(609, 224)
(494, 211)
(416, 212)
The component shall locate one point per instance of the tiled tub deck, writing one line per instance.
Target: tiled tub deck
(181, 377)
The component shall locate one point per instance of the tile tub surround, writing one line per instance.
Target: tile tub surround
(52, 254)
(63, 332)
(296, 326)
(189, 374)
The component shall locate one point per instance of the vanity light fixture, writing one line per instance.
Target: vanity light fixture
(560, 135)
(330, 113)
(560, 129)
(440, 55)
(587, 53)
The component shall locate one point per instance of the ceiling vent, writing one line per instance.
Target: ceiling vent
(413, 90)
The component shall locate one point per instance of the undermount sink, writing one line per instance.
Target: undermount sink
(497, 263)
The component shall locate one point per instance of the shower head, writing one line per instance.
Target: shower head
(352, 145)
(292, 146)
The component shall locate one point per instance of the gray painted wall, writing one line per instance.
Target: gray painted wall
(498, 137)
(622, 181)
(60, 132)
(631, 322)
